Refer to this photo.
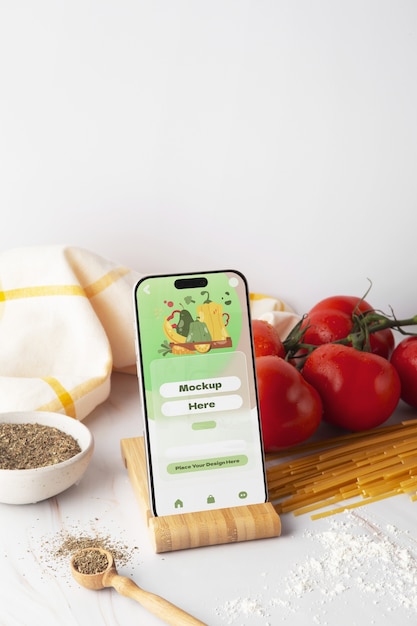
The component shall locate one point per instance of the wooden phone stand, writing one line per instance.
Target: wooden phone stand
(192, 530)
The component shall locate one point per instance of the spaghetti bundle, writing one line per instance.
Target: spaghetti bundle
(369, 466)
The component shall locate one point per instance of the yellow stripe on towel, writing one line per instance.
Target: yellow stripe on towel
(63, 395)
(105, 281)
(263, 303)
(65, 290)
(258, 296)
(44, 290)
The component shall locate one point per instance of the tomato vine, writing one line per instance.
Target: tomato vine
(364, 325)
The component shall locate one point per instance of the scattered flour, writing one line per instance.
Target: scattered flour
(353, 555)
(242, 607)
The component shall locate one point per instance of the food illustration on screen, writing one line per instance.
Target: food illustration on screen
(200, 327)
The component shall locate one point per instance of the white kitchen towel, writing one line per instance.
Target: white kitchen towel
(66, 322)
(275, 311)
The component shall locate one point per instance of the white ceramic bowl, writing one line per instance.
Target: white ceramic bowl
(27, 486)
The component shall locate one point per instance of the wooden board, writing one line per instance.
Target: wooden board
(192, 530)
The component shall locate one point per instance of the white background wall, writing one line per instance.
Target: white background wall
(278, 137)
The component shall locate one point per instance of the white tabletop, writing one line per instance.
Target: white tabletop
(353, 568)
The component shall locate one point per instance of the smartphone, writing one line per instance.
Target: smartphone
(196, 371)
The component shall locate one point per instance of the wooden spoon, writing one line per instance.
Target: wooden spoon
(109, 577)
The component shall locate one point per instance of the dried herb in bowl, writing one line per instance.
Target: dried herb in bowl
(29, 446)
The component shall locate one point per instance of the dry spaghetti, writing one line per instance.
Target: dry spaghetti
(368, 466)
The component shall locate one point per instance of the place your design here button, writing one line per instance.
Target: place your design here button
(201, 465)
(202, 405)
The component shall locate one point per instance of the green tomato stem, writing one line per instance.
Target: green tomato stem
(364, 325)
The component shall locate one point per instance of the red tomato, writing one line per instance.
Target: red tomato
(326, 326)
(404, 359)
(382, 341)
(266, 339)
(346, 304)
(290, 408)
(359, 390)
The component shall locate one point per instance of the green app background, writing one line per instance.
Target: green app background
(162, 303)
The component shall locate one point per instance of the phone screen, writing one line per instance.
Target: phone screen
(198, 388)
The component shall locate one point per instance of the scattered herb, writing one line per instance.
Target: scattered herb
(68, 544)
(29, 446)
